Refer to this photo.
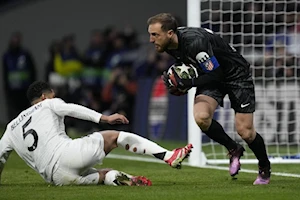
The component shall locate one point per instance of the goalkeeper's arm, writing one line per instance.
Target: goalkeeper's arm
(211, 78)
(212, 73)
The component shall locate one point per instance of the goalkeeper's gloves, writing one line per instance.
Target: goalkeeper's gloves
(167, 80)
(170, 86)
(213, 78)
(180, 83)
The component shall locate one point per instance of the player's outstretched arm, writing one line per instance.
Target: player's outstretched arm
(114, 119)
(80, 112)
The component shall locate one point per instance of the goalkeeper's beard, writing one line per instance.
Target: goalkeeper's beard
(167, 45)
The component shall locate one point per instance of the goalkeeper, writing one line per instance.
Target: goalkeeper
(222, 70)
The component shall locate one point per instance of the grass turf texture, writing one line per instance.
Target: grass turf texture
(20, 182)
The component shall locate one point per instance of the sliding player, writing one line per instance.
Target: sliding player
(39, 138)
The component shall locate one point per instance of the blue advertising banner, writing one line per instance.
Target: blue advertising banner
(159, 115)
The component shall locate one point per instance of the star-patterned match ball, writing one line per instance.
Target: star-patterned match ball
(184, 71)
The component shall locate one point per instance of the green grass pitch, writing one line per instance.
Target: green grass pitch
(21, 182)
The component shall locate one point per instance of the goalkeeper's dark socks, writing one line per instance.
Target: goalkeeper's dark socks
(259, 149)
(217, 133)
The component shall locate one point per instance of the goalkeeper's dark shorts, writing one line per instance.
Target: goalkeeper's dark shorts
(240, 92)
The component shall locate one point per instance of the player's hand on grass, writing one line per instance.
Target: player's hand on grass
(114, 119)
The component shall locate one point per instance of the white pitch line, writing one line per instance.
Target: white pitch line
(253, 171)
(153, 160)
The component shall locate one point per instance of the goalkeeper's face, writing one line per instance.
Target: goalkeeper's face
(161, 39)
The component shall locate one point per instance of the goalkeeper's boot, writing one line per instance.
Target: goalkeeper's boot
(264, 174)
(235, 156)
(128, 180)
(179, 155)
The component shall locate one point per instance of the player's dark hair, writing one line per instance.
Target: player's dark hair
(168, 21)
(36, 89)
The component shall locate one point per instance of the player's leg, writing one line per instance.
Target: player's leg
(76, 159)
(140, 145)
(245, 128)
(93, 176)
(111, 177)
(204, 108)
(118, 178)
(242, 98)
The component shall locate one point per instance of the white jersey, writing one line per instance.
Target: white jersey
(38, 134)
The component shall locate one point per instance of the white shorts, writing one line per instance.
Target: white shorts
(77, 159)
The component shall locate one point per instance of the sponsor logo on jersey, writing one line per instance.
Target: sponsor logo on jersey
(24, 115)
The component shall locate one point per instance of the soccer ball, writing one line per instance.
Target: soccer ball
(184, 72)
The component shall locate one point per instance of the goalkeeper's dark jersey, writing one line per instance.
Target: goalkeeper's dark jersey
(208, 51)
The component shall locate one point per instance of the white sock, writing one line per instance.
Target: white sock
(140, 145)
(110, 177)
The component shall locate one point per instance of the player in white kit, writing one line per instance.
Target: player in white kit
(38, 136)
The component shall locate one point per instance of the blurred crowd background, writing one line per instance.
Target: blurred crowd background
(102, 77)
(92, 53)
(103, 72)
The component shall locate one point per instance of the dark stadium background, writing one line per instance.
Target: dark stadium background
(43, 21)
